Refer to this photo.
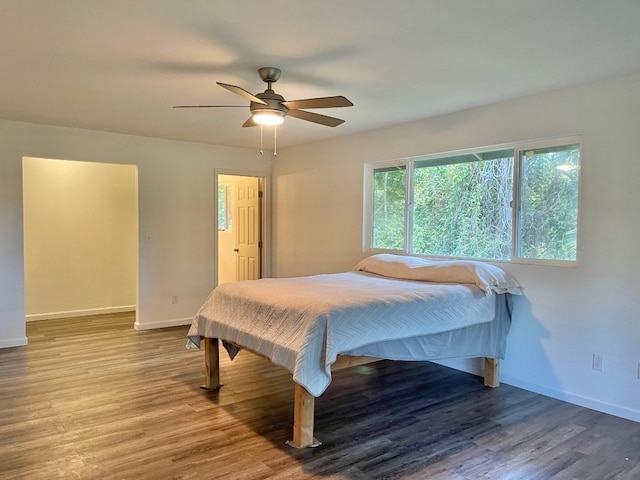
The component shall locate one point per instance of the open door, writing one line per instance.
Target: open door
(247, 214)
(239, 228)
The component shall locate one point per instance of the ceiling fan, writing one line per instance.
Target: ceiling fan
(269, 108)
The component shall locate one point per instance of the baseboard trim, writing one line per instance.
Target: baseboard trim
(14, 342)
(611, 409)
(174, 322)
(470, 366)
(80, 313)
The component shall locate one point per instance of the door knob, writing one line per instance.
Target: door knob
(236, 250)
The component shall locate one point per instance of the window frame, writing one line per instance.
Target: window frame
(409, 164)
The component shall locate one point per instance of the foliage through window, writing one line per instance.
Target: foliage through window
(519, 202)
(224, 207)
(389, 206)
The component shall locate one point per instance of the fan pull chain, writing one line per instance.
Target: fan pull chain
(261, 152)
(275, 141)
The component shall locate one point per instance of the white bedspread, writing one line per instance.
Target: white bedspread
(303, 323)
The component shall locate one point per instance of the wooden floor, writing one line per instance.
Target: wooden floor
(92, 398)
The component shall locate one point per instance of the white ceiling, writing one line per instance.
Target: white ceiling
(120, 65)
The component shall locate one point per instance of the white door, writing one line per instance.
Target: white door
(247, 221)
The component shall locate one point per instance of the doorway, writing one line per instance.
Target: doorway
(80, 238)
(240, 202)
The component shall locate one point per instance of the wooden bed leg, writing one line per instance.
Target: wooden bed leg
(491, 372)
(211, 364)
(303, 412)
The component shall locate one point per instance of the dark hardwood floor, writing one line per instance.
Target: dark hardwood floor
(91, 398)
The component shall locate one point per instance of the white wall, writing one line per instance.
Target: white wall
(80, 238)
(568, 314)
(176, 214)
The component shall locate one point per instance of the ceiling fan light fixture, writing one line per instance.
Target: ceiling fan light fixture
(269, 117)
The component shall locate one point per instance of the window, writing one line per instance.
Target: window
(548, 202)
(224, 207)
(517, 202)
(389, 201)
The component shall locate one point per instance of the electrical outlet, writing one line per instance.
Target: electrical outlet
(598, 362)
(174, 299)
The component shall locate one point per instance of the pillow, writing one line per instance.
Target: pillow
(486, 277)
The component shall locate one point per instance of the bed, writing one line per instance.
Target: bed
(388, 307)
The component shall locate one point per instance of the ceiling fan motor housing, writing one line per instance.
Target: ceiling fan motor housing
(273, 103)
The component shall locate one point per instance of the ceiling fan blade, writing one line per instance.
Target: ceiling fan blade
(209, 106)
(242, 92)
(322, 102)
(250, 123)
(315, 118)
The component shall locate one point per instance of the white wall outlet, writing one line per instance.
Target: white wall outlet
(598, 362)
(174, 299)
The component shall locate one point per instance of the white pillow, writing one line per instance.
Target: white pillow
(486, 277)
